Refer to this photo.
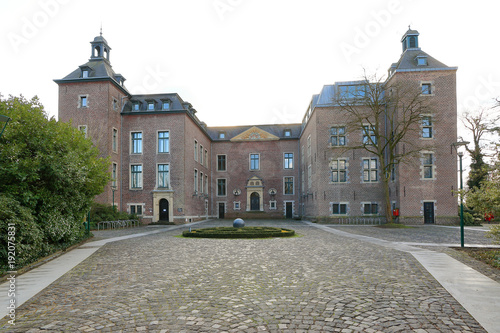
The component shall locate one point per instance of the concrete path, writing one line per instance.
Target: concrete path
(323, 281)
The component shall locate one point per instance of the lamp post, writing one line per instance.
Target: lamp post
(460, 155)
(3, 123)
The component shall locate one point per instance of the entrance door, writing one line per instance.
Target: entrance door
(222, 208)
(428, 212)
(289, 210)
(254, 201)
(164, 213)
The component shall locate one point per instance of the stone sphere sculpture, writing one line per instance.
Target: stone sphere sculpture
(238, 223)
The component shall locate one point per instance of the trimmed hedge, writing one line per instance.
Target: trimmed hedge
(245, 232)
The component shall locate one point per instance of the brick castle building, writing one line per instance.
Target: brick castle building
(167, 165)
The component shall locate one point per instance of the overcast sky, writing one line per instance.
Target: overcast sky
(244, 61)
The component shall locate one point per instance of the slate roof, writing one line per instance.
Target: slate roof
(408, 61)
(277, 130)
(176, 102)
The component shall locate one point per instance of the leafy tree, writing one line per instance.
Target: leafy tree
(389, 114)
(478, 124)
(50, 169)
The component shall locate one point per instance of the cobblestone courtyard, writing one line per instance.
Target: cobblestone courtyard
(319, 282)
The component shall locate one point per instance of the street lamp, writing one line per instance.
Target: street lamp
(3, 123)
(460, 155)
(113, 188)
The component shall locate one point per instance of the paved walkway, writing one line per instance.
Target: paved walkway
(327, 280)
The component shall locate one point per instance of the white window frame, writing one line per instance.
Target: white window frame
(140, 179)
(83, 129)
(338, 170)
(158, 176)
(273, 205)
(338, 136)
(284, 185)
(430, 90)
(237, 205)
(196, 150)
(288, 161)
(250, 161)
(82, 98)
(424, 166)
(132, 143)
(346, 204)
(369, 169)
(371, 206)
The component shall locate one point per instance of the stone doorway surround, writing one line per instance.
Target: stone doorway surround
(157, 196)
(254, 185)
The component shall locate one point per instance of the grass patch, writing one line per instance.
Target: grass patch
(245, 232)
(490, 257)
(394, 226)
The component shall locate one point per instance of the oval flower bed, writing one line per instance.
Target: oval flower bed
(245, 232)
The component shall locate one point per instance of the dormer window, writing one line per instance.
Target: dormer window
(151, 106)
(135, 106)
(165, 105)
(352, 91)
(85, 73)
(422, 61)
(287, 133)
(222, 135)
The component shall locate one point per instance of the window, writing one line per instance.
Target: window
(83, 129)
(136, 142)
(136, 106)
(370, 170)
(421, 61)
(113, 174)
(165, 105)
(136, 176)
(428, 164)
(288, 161)
(85, 73)
(83, 102)
(309, 145)
(115, 104)
(164, 142)
(206, 184)
(339, 208)
(287, 133)
(195, 181)
(202, 189)
(237, 205)
(427, 127)
(370, 208)
(195, 150)
(115, 140)
(309, 176)
(426, 89)
(272, 204)
(136, 209)
(339, 171)
(221, 162)
(201, 154)
(221, 187)
(206, 158)
(151, 106)
(288, 185)
(163, 175)
(222, 135)
(369, 137)
(337, 136)
(352, 91)
(254, 162)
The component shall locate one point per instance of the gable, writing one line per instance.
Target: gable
(255, 134)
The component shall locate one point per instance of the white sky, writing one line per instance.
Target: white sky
(244, 62)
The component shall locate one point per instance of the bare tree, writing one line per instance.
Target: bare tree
(390, 114)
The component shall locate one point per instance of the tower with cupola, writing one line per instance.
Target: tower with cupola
(91, 98)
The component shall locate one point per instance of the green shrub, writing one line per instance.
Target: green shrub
(245, 232)
(494, 233)
(100, 212)
(27, 235)
(470, 220)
